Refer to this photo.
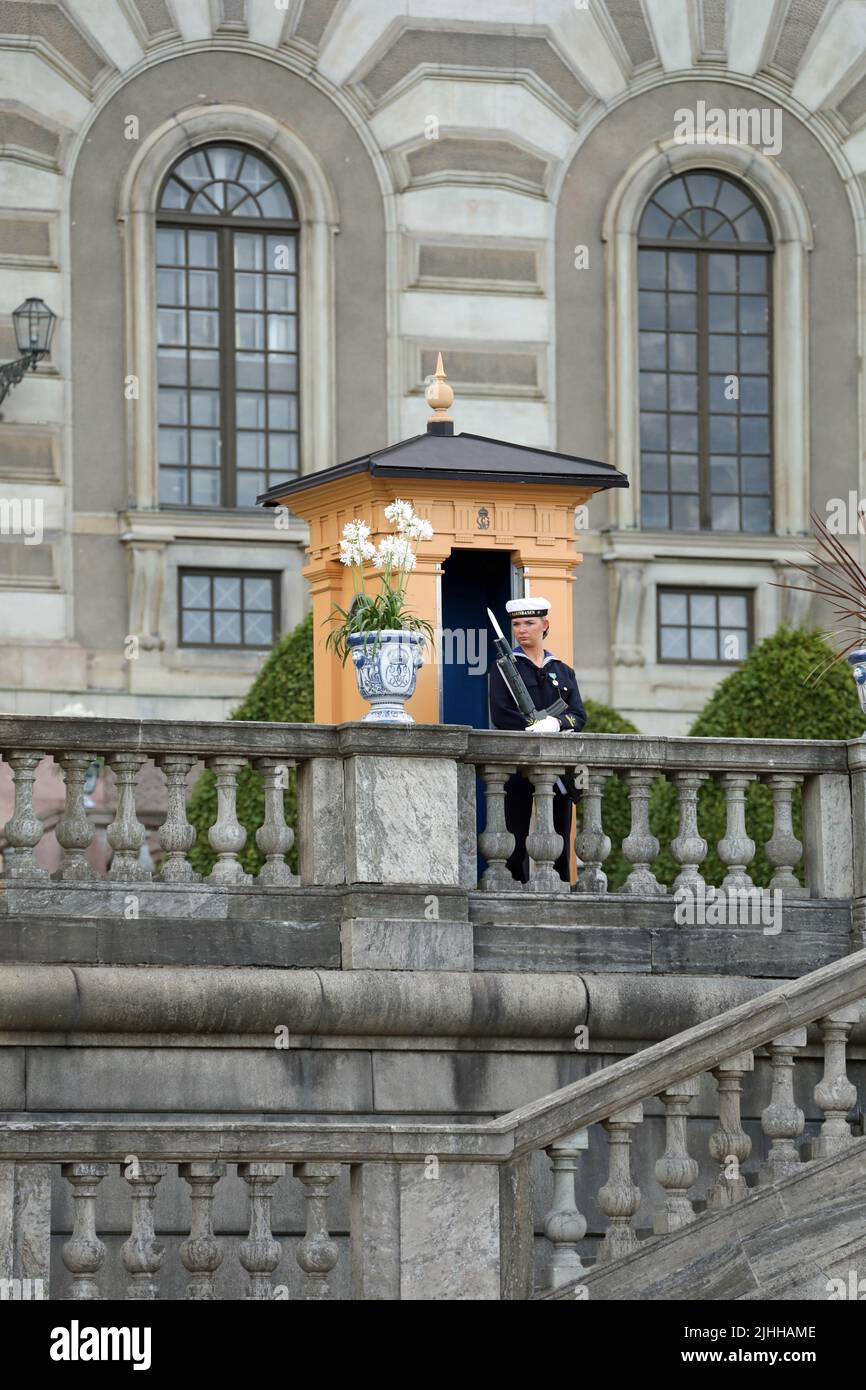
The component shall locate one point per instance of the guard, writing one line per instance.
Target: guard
(546, 680)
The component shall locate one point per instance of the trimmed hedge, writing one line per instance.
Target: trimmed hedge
(281, 693)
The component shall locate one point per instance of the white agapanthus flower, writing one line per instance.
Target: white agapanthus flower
(356, 531)
(400, 513)
(350, 554)
(419, 530)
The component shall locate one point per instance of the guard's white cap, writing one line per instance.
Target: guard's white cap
(528, 607)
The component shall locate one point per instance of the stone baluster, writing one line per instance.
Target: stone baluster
(74, 831)
(126, 834)
(564, 1225)
(84, 1252)
(543, 843)
(496, 841)
(142, 1253)
(24, 831)
(619, 1199)
(730, 1145)
(176, 835)
(316, 1253)
(676, 1171)
(227, 836)
(201, 1252)
(274, 838)
(783, 1120)
(260, 1253)
(736, 849)
(640, 846)
(590, 843)
(834, 1092)
(783, 849)
(689, 848)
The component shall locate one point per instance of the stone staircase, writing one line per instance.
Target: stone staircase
(786, 1241)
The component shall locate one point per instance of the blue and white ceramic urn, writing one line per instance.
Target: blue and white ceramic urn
(385, 671)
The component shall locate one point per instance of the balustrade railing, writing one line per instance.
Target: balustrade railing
(786, 767)
(273, 752)
(450, 1213)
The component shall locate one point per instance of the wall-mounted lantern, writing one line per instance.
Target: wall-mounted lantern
(34, 325)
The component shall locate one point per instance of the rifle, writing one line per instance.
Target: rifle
(513, 679)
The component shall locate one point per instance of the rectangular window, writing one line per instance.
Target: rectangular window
(227, 334)
(704, 625)
(705, 390)
(221, 608)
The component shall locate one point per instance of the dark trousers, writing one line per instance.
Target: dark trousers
(518, 810)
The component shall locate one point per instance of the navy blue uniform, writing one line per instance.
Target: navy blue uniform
(545, 684)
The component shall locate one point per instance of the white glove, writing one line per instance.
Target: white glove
(548, 725)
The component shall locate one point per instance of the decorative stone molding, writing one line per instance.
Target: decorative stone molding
(629, 579)
(147, 579)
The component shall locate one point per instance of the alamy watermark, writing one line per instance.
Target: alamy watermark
(745, 125)
(23, 516)
(706, 906)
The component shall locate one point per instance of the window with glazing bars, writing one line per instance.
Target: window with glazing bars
(704, 315)
(227, 329)
(218, 608)
(704, 625)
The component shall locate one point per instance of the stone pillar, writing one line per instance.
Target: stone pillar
(317, 1253)
(730, 1145)
(401, 818)
(142, 1253)
(543, 843)
(84, 1252)
(736, 848)
(496, 841)
(640, 846)
(619, 1199)
(201, 1252)
(828, 835)
(676, 1171)
(449, 1231)
(25, 1224)
(834, 1092)
(374, 1229)
(591, 843)
(260, 1253)
(321, 815)
(24, 831)
(564, 1225)
(783, 849)
(227, 836)
(783, 1120)
(274, 838)
(689, 848)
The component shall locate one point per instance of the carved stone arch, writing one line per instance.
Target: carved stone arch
(319, 218)
(782, 202)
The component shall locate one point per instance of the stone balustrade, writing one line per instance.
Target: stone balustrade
(446, 1211)
(376, 809)
(817, 770)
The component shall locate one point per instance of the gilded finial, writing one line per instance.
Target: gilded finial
(439, 395)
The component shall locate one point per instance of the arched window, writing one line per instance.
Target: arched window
(227, 336)
(704, 278)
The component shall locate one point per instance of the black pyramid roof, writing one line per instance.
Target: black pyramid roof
(469, 456)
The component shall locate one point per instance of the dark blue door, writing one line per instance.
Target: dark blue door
(472, 582)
